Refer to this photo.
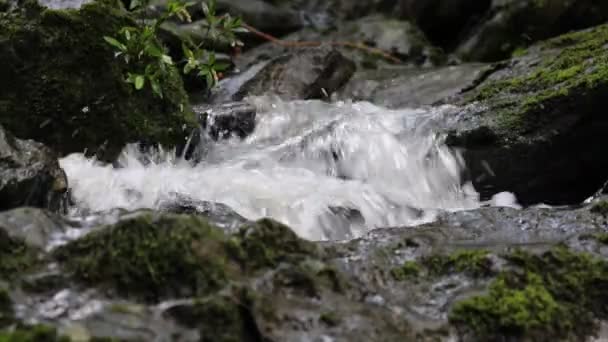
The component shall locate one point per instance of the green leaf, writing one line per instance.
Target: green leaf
(115, 43)
(154, 51)
(167, 59)
(156, 87)
(139, 82)
(134, 4)
(209, 78)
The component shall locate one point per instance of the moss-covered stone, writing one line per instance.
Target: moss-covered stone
(219, 318)
(600, 207)
(152, 257)
(155, 256)
(409, 269)
(36, 333)
(579, 67)
(330, 318)
(473, 262)
(268, 243)
(557, 295)
(15, 257)
(6, 308)
(63, 86)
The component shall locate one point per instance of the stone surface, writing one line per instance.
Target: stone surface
(29, 175)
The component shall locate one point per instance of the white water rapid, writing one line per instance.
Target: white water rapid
(307, 163)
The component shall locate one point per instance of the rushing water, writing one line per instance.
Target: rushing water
(329, 170)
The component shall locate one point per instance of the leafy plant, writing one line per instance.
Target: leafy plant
(149, 60)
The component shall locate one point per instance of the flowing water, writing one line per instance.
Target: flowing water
(328, 170)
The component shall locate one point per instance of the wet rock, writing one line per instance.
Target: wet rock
(410, 87)
(218, 214)
(35, 227)
(227, 120)
(55, 96)
(534, 125)
(29, 175)
(310, 74)
(513, 24)
(431, 271)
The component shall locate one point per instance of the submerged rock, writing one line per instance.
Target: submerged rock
(535, 125)
(227, 120)
(58, 97)
(308, 74)
(29, 175)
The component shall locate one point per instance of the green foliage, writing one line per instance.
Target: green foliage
(140, 48)
(37, 333)
(473, 262)
(557, 295)
(408, 270)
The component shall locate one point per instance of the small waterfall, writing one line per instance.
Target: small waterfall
(328, 170)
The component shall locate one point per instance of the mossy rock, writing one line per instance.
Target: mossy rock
(156, 256)
(16, 258)
(527, 119)
(36, 333)
(553, 296)
(63, 86)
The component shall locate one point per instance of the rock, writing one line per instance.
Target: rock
(228, 119)
(310, 74)
(528, 119)
(262, 15)
(443, 21)
(409, 87)
(438, 272)
(57, 97)
(35, 227)
(512, 24)
(29, 175)
(400, 39)
(218, 214)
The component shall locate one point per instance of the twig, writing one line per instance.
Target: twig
(286, 43)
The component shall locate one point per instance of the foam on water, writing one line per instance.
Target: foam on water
(304, 160)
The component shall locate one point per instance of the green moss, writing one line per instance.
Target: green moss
(268, 243)
(602, 238)
(330, 318)
(70, 94)
(474, 262)
(156, 256)
(37, 333)
(600, 207)
(15, 257)
(582, 64)
(152, 257)
(6, 308)
(557, 295)
(408, 270)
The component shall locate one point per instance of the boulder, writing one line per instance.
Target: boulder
(311, 73)
(29, 175)
(408, 87)
(58, 96)
(535, 125)
(512, 24)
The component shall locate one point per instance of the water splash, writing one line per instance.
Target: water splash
(329, 170)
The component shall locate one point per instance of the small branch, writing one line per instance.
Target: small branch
(286, 43)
